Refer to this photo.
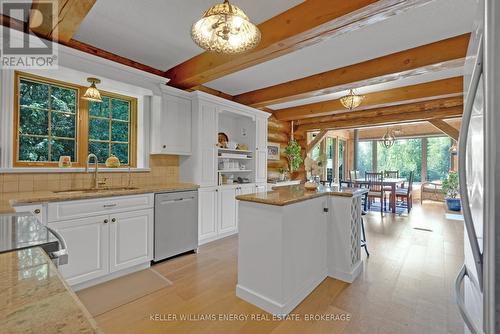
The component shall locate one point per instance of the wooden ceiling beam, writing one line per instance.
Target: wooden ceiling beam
(60, 28)
(415, 112)
(301, 26)
(409, 107)
(401, 95)
(393, 65)
(445, 128)
(319, 137)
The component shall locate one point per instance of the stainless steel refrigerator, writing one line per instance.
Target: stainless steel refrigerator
(479, 173)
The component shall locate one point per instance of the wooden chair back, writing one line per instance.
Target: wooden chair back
(393, 174)
(354, 174)
(375, 180)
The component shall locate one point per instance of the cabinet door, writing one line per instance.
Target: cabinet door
(175, 129)
(261, 150)
(208, 136)
(131, 239)
(227, 203)
(38, 210)
(259, 188)
(87, 240)
(207, 210)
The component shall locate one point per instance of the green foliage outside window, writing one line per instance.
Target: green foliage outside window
(365, 149)
(109, 129)
(438, 157)
(405, 155)
(47, 121)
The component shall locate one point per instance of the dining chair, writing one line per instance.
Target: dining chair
(393, 174)
(354, 174)
(405, 195)
(376, 189)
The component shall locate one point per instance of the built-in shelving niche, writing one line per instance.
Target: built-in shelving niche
(235, 163)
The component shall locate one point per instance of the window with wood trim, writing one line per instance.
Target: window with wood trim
(51, 120)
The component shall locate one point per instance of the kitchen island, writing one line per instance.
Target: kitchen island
(291, 239)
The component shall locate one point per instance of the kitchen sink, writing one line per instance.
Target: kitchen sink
(86, 191)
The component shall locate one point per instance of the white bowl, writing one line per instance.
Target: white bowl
(232, 145)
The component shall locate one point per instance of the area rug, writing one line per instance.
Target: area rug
(120, 291)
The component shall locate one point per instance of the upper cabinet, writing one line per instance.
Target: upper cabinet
(244, 159)
(171, 122)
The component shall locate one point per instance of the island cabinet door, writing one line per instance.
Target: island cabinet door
(227, 202)
(87, 241)
(131, 239)
(207, 211)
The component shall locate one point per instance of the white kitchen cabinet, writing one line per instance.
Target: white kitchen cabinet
(208, 213)
(131, 239)
(228, 210)
(171, 122)
(261, 188)
(261, 150)
(208, 134)
(38, 210)
(87, 240)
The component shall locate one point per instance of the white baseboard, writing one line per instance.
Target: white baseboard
(218, 237)
(274, 307)
(348, 277)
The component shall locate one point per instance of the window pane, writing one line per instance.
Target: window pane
(119, 131)
(63, 125)
(438, 158)
(63, 99)
(33, 94)
(364, 156)
(405, 155)
(34, 122)
(33, 148)
(62, 147)
(121, 152)
(120, 109)
(99, 109)
(341, 158)
(99, 149)
(99, 129)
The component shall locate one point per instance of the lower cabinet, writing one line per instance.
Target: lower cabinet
(130, 239)
(87, 240)
(218, 210)
(100, 245)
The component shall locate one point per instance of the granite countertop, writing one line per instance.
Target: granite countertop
(35, 299)
(292, 194)
(8, 200)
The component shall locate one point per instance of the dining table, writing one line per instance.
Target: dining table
(386, 182)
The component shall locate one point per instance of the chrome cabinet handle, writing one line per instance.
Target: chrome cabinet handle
(109, 205)
(113, 220)
(462, 174)
(460, 303)
(62, 254)
(37, 211)
(106, 221)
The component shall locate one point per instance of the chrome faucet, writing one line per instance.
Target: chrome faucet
(96, 171)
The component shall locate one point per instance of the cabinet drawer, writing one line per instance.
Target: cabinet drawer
(93, 207)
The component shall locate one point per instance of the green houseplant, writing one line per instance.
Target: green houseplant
(451, 188)
(293, 153)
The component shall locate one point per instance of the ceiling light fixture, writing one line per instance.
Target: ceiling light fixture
(351, 100)
(92, 93)
(388, 139)
(225, 28)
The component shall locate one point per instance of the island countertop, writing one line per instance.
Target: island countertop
(8, 200)
(35, 299)
(293, 194)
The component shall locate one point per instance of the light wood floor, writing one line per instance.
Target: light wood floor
(406, 286)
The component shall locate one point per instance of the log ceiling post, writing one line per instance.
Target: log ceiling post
(319, 137)
(446, 128)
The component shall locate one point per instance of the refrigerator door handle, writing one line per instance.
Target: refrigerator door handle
(460, 302)
(462, 173)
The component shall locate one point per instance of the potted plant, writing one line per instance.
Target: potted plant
(283, 174)
(451, 188)
(293, 154)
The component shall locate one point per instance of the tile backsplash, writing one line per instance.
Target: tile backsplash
(164, 169)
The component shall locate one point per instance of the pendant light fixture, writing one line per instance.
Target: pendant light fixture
(92, 93)
(351, 100)
(225, 28)
(388, 139)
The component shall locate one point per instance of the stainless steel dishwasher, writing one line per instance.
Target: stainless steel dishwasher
(176, 224)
